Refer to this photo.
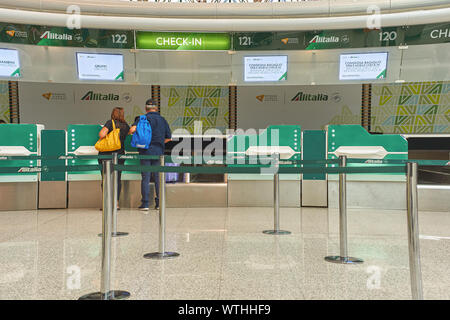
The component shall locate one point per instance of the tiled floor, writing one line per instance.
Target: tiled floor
(56, 254)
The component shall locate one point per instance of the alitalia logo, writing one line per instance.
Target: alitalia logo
(324, 39)
(92, 96)
(374, 161)
(25, 169)
(56, 36)
(300, 96)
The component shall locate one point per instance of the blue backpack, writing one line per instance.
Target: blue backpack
(143, 135)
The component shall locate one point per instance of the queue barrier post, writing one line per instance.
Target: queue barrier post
(114, 233)
(276, 200)
(413, 230)
(105, 292)
(162, 253)
(343, 258)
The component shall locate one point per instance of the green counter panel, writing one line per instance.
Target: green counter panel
(79, 135)
(356, 135)
(53, 143)
(288, 135)
(25, 135)
(314, 148)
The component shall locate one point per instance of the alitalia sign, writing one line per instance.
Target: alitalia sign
(182, 41)
(324, 39)
(56, 36)
(301, 96)
(94, 96)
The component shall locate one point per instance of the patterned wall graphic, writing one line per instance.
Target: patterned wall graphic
(4, 101)
(183, 106)
(416, 107)
(345, 117)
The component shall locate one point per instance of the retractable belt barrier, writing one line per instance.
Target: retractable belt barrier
(338, 166)
(236, 160)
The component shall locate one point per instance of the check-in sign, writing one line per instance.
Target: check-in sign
(182, 41)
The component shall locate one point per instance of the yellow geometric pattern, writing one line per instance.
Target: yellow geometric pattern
(4, 101)
(186, 106)
(346, 117)
(416, 107)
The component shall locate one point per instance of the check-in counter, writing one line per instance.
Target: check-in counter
(19, 191)
(367, 190)
(84, 189)
(256, 190)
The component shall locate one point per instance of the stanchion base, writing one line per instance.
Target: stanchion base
(276, 232)
(160, 255)
(116, 234)
(112, 295)
(343, 260)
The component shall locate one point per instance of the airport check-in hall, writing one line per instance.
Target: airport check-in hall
(224, 150)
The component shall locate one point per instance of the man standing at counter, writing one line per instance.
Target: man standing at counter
(161, 134)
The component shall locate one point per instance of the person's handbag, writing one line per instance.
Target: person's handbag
(111, 142)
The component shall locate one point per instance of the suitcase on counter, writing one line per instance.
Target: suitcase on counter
(172, 177)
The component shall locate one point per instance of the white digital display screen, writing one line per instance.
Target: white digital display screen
(363, 66)
(9, 63)
(265, 68)
(100, 66)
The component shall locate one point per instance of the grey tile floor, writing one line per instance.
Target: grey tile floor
(56, 254)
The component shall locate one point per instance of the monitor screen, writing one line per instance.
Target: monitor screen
(363, 66)
(265, 68)
(9, 63)
(100, 66)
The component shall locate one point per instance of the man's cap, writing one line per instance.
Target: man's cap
(150, 102)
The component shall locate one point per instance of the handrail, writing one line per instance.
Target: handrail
(223, 8)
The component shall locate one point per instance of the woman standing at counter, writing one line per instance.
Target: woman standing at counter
(118, 116)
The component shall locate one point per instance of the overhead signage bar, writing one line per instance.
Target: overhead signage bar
(182, 41)
(340, 39)
(64, 37)
(239, 41)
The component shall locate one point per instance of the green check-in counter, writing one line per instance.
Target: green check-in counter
(319, 189)
(19, 191)
(257, 189)
(84, 188)
(368, 190)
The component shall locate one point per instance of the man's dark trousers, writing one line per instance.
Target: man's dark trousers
(145, 182)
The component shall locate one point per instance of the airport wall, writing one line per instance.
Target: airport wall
(418, 107)
(58, 105)
(311, 107)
